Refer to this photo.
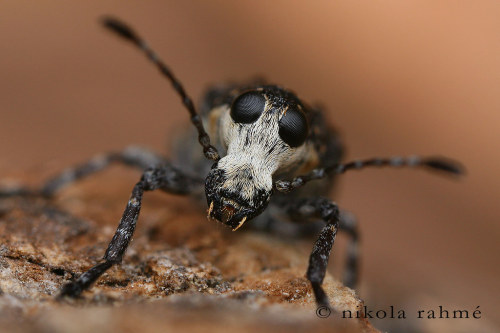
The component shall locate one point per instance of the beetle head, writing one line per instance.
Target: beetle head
(264, 130)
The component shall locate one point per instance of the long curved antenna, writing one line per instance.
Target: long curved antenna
(432, 163)
(125, 32)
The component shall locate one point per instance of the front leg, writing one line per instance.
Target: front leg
(328, 211)
(165, 178)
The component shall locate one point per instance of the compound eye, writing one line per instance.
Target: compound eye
(293, 128)
(248, 107)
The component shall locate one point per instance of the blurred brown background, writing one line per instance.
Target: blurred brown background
(397, 78)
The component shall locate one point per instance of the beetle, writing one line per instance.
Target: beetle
(262, 147)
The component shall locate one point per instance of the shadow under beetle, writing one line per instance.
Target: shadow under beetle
(266, 143)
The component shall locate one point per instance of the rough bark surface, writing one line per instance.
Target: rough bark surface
(181, 273)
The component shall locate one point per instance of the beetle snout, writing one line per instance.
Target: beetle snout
(227, 211)
(232, 197)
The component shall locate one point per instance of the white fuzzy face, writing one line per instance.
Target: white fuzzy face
(240, 184)
(255, 152)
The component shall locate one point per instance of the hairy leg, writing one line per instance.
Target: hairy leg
(328, 211)
(348, 224)
(133, 156)
(165, 178)
(303, 210)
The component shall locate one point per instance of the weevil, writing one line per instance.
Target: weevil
(262, 147)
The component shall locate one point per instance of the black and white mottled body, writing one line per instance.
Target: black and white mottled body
(262, 142)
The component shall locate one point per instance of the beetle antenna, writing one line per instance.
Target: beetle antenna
(440, 164)
(127, 33)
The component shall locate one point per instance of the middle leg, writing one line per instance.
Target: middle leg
(133, 156)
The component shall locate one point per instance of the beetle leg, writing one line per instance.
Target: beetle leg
(163, 177)
(133, 156)
(328, 211)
